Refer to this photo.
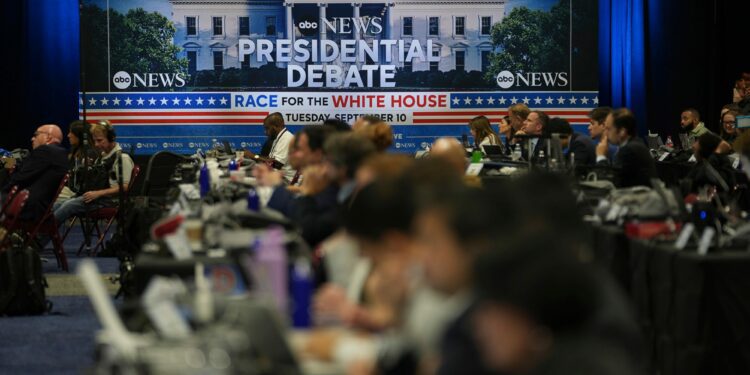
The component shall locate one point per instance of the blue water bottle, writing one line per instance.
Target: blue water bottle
(253, 201)
(302, 290)
(204, 180)
(232, 165)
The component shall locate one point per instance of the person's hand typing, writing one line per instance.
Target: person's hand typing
(266, 176)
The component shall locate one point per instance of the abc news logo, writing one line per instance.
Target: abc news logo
(123, 80)
(307, 25)
(506, 79)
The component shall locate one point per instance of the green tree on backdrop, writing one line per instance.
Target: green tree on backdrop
(139, 41)
(531, 41)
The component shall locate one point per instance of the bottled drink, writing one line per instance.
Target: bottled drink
(669, 144)
(233, 165)
(516, 154)
(541, 160)
(302, 290)
(253, 201)
(204, 180)
(271, 261)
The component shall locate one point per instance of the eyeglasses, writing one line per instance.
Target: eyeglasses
(39, 133)
(728, 123)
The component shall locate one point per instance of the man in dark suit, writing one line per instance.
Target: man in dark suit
(534, 125)
(633, 160)
(580, 146)
(40, 173)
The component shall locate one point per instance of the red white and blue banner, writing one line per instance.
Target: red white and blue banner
(178, 74)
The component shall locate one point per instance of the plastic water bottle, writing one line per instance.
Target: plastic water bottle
(516, 154)
(204, 180)
(233, 165)
(553, 164)
(541, 159)
(669, 144)
(271, 260)
(253, 200)
(302, 290)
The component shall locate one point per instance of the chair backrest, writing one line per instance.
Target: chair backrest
(11, 213)
(159, 170)
(48, 211)
(8, 198)
(133, 176)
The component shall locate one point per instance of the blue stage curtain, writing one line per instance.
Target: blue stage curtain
(53, 60)
(40, 67)
(622, 56)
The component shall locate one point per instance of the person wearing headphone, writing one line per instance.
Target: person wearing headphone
(105, 188)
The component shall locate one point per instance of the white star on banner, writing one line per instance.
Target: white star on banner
(491, 101)
(199, 101)
(502, 100)
(92, 101)
(526, 100)
(128, 101)
(104, 101)
(479, 100)
(188, 101)
(455, 101)
(152, 101)
(537, 100)
(223, 101)
(513, 100)
(550, 100)
(584, 100)
(176, 101)
(211, 101)
(116, 101)
(596, 100)
(80, 101)
(467, 100)
(560, 100)
(163, 101)
(573, 100)
(140, 101)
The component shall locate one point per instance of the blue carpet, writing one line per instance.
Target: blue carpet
(61, 343)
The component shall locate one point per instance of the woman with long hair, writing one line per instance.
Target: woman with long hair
(483, 133)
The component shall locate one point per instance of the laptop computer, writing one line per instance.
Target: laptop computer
(494, 152)
(654, 141)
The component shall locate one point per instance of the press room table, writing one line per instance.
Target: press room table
(694, 310)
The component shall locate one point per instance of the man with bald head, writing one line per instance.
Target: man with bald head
(41, 172)
(450, 150)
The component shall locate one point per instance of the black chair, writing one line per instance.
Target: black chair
(160, 168)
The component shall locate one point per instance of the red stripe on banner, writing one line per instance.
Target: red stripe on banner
(465, 120)
(461, 113)
(185, 113)
(490, 113)
(188, 121)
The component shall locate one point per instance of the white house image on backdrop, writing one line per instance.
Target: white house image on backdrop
(208, 31)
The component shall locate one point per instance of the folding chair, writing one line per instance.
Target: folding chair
(108, 214)
(47, 225)
(9, 198)
(11, 211)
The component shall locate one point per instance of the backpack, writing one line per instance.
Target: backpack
(21, 283)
